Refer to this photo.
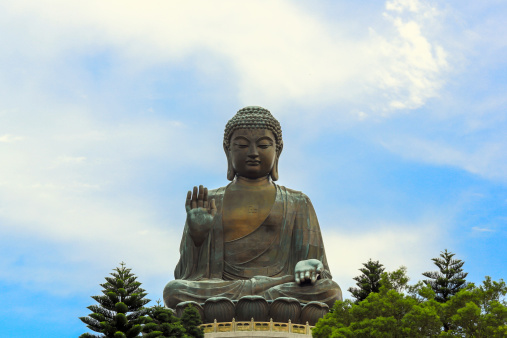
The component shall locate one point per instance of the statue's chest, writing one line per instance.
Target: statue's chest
(244, 211)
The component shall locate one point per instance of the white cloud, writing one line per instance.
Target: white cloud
(276, 54)
(70, 159)
(7, 138)
(411, 68)
(70, 188)
(411, 245)
(401, 5)
(487, 159)
(479, 229)
(279, 52)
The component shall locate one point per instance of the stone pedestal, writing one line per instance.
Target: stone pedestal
(281, 310)
(253, 316)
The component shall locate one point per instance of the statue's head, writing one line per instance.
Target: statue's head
(253, 144)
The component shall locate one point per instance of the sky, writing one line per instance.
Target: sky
(393, 116)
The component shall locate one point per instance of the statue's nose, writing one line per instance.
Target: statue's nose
(252, 152)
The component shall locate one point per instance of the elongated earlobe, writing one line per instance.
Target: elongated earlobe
(274, 171)
(230, 170)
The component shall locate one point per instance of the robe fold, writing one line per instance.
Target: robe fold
(260, 263)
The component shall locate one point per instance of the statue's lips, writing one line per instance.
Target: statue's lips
(253, 163)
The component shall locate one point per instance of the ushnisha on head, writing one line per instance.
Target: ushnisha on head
(249, 118)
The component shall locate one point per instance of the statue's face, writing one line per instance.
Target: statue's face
(252, 152)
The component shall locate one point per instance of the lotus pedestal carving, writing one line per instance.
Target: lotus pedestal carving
(256, 308)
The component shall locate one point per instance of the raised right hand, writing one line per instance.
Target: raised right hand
(200, 214)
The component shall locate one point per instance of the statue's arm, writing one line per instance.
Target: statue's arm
(197, 250)
(312, 264)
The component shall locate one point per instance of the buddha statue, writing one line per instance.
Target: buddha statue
(251, 237)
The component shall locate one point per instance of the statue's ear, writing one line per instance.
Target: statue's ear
(274, 171)
(230, 170)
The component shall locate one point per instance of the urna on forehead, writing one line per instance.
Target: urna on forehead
(253, 117)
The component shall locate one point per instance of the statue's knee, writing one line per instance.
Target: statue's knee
(172, 291)
(332, 288)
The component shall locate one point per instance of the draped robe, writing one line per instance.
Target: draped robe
(259, 263)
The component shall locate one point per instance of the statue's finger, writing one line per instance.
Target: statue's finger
(194, 198)
(307, 274)
(205, 197)
(302, 276)
(314, 277)
(188, 201)
(205, 203)
(298, 280)
(200, 197)
(213, 208)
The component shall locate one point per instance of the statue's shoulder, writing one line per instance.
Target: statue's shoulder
(216, 192)
(290, 191)
(298, 195)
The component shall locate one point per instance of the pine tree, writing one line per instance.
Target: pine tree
(368, 282)
(449, 280)
(121, 309)
(191, 319)
(160, 322)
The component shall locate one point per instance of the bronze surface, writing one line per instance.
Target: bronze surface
(252, 237)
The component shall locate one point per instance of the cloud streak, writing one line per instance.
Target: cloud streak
(303, 61)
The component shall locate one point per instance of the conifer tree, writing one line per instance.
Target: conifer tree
(121, 307)
(449, 280)
(161, 322)
(368, 282)
(191, 319)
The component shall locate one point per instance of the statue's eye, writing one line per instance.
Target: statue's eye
(239, 145)
(264, 144)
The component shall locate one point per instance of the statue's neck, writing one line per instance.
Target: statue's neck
(241, 181)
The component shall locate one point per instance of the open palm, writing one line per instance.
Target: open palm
(200, 213)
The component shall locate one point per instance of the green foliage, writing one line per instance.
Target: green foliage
(121, 307)
(477, 311)
(336, 322)
(396, 280)
(450, 278)
(368, 281)
(160, 322)
(88, 335)
(472, 312)
(191, 319)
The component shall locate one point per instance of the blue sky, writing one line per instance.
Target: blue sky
(393, 115)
